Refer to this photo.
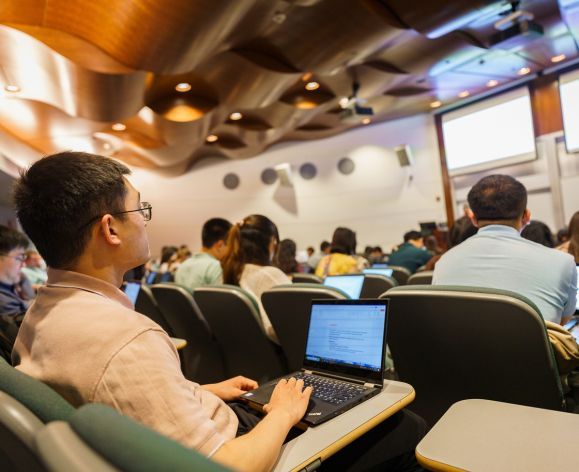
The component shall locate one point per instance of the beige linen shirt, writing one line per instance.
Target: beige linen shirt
(82, 337)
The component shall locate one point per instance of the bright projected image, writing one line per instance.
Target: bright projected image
(569, 91)
(490, 134)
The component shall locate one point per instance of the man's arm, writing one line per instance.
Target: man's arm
(259, 449)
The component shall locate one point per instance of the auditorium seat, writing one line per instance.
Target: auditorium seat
(454, 343)
(202, 358)
(401, 274)
(97, 438)
(375, 285)
(302, 278)
(421, 278)
(18, 428)
(233, 315)
(288, 308)
(147, 305)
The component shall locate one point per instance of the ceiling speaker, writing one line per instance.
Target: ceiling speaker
(268, 176)
(284, 173)
(308, 171)
(346, 165)
(231, 181)
(404, 154)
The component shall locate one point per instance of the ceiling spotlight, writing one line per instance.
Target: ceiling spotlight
(279, 17)
(559, 58)
(12, 88)
(183, 87)
(211, 138)
(464, 94)
(312, 86)
(344, 102)
(119, 127)
(523, 71)
(435, 104)
(235, 116)
(366, 121)
(492, 83)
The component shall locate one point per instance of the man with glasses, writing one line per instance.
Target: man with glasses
(12, 256)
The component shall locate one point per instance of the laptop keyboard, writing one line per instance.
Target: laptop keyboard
(332, 391)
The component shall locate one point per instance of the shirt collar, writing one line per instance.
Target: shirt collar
(70, 279)
(499, 229)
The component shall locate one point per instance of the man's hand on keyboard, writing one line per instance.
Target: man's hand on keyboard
(289, 398)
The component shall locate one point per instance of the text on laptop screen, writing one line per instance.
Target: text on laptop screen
(349, 335)
(131, 289)
(385, 272)
(351, 284)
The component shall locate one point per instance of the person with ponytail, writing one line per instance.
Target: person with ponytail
(251, 246)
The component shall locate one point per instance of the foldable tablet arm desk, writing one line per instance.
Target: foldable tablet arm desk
(484, 435)
(307, 451)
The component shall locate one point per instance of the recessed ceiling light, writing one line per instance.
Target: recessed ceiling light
(559, 58)
(435, 104)
(119, 127)
(211, 138)
(312, 86)
(366, 121)
(464, 94)
(183, 87)
(523, 71)
(307, 76)
(12, 88)
(235, 116)
(492, 83)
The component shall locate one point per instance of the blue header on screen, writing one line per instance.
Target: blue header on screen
(351, 284)
(347, 335)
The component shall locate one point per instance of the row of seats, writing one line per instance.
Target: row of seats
(449, 343)
(41, 432)
(400, 276)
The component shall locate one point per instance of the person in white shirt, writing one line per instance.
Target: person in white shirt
(251, 246)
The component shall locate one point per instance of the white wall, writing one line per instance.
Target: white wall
(380, 200)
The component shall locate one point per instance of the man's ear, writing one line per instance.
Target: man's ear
(526, 217)
(473, 219)
(108, 228)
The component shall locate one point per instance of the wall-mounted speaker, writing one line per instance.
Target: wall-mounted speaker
(284, 173)
(404, 154)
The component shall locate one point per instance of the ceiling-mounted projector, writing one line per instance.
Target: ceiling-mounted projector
(515, 30)
(353, 108)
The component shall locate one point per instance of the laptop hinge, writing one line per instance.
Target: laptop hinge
(312, 465)
(309, 372)
(370, 385)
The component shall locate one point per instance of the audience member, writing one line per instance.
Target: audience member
(310, 251)
(251, 247)
(498, 257)
(571, 246)
(35, 269)
(204, 267)
(376, 255)
(411, 254)
(538, 232)
(285, 257)
(562, 236)
(12, 256)
(341, 259)
(459, 227)
(315, 259)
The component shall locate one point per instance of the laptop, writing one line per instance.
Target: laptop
(132, 290)
(350, 284)
(344, 358)
(385, 272)
(380, 265)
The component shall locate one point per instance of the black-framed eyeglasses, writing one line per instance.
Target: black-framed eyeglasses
(145, 209)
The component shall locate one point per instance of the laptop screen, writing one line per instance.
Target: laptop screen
(132, 289)
(385, 272)
(350, 284)
(347, 336)
(379, 265)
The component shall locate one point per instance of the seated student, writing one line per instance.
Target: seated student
(341, 259)
(498, 257)
(12, 256)
(410, 254)
(571, 245)
(285, 257)
(203, 268)
(35, 269)
(251, 246)
(83, 338)
(538, 232)
(315, 259)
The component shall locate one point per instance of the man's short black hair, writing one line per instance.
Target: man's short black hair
(324, 245)
(59, 195)
(214, 230)
(11, 239)
(498, 197)
(412, 236)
